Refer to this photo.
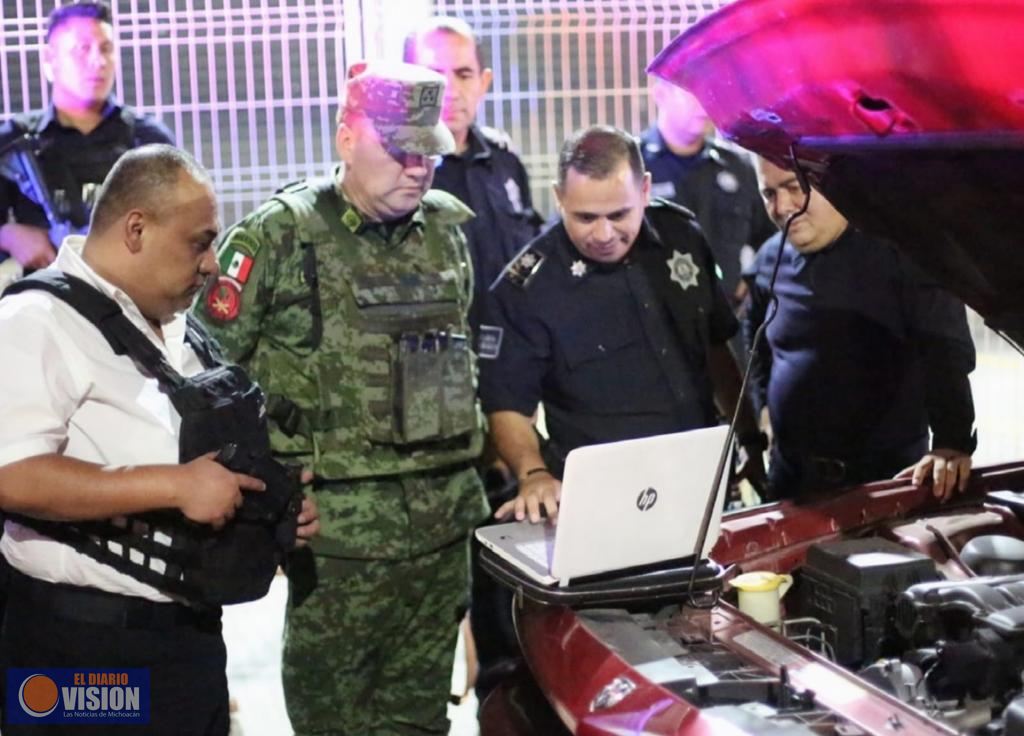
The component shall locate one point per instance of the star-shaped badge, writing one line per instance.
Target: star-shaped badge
(683, 270)
(578, 269)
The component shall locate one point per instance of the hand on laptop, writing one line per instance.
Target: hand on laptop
(538, 497)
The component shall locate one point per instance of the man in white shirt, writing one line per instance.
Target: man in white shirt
(87, 436)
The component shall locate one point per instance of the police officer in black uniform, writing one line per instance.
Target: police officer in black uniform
(483, 171)
(709, 177)
(487, 175)
(614, 319)
(77, 138)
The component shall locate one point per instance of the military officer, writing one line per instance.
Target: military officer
(346, 296)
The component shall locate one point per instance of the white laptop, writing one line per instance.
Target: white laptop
(624, 504)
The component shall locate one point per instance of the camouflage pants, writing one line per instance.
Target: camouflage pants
(370, 650)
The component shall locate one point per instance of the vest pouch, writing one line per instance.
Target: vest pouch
(434, 397)
(418, 390)
(459, 414)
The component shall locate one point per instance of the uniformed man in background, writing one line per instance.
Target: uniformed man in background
(485, 173)
(79, 136)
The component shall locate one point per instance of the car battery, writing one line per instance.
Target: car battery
(852, 586)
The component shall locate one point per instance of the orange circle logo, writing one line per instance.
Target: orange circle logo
(38, 695)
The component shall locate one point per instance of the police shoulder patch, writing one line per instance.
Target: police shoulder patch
(489, 346)
(449, 209)
(521, 269)
(660, 203)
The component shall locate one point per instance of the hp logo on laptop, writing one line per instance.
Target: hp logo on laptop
(646, 500)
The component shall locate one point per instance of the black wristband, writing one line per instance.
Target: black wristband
(534, 471)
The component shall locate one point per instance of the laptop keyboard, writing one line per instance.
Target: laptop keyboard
(540, 551)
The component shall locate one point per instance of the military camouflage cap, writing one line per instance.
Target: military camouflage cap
(403, 101)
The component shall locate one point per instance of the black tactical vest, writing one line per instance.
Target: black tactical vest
(221, 410)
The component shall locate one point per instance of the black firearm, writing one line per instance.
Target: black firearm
(18, 163)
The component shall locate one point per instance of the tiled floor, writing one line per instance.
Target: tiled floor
(253, 635)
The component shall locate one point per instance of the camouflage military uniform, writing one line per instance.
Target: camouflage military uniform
(357, 333)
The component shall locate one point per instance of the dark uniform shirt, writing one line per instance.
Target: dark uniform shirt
(73, 163)
(493, 182)
(863, 356)
(719, 185)
(615, 351)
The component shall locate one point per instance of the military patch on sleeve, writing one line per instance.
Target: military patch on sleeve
(524, 267)
(243, 242)
(224, 300)
(235, 263)
(490, 341)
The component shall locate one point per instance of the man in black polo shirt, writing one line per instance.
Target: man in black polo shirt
(614, 318)
(80, 135)
(862, 357)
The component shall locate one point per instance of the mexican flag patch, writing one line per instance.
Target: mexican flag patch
(235, 264)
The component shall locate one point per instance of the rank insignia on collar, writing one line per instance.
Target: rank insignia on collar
(352, 220)
(683, 270)
(578, 268)
(524, 267)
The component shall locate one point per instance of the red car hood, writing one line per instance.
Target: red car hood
(907, 114)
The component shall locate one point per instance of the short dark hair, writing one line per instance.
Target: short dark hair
(598, 151)
(97, 10)
(141, 179)
(441, 24)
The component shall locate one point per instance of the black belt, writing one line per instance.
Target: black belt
(89, 605)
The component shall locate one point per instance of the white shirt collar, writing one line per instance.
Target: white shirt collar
(70, 261)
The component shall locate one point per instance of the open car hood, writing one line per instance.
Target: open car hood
(907, 114)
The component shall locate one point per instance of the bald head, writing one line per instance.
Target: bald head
(444, 25)
(153, 229)
(142, 180)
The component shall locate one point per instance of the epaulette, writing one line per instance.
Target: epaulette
(726, 146)
(11, 129)
(496, 137)
(449, 208)
(662, 203)
(300, 206)
(294, 186)
(521, 269)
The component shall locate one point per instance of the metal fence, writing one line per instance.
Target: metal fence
(560, 65)
(251, 88)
